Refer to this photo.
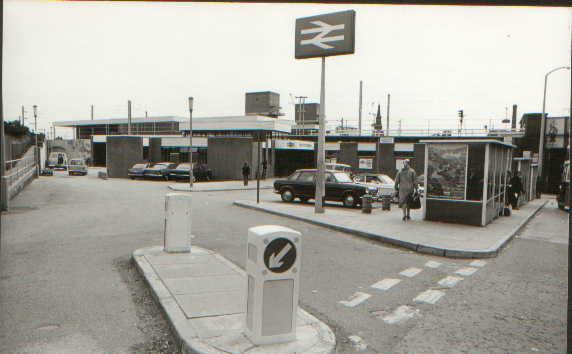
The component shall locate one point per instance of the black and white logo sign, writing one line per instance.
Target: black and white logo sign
(280, 255)
(325, 35)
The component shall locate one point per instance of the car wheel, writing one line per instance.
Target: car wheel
(349, 201)
(287, 195)
(561, 206)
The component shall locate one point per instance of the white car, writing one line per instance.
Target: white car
(385, 185)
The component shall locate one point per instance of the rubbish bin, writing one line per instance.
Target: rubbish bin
(366, 201)
(386, 202)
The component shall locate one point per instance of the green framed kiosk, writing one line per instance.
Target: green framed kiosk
(465, 180)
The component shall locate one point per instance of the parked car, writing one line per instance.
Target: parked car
(159, 170)
(384, 184)
(58, 160)
(77, 167)
(181, 172)
(339, 187)
(563, 197)
(137, 170)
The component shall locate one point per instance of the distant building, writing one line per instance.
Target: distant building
(378, 126)
(265, 103)
(307, 117)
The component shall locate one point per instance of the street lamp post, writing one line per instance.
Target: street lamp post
(543, 122)
(36, 150)
(191, 144)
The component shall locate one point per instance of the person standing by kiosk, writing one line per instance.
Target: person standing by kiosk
(245, 173)
(405, 185)
(515, 189)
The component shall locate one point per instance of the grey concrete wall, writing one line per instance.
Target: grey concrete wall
(122, 152)
(419, 161)
(155, 150)
(384, 161)
(348, 154)
(226, 155)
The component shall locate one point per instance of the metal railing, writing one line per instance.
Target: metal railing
(19, 172)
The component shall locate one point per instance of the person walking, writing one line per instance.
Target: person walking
(516, 189)
(264, 167)
(405, 185)
(245, 173)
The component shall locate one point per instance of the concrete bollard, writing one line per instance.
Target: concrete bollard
(273, 270)
(177, 223)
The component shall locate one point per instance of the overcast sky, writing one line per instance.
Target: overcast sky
(433, 60)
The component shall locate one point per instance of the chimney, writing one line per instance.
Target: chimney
(513, 123)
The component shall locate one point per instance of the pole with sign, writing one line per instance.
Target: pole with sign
(318, 37)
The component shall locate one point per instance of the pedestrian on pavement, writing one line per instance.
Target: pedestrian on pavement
(245, 173)
(516, 189)
(264, 167)
(405, 185)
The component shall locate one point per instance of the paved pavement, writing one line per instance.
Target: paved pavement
(439, 238)
(65, 280)
(203, 295)
(222, 186)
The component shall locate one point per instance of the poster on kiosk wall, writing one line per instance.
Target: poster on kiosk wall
(447, 171)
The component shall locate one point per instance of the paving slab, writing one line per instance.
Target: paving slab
(202, 295)
(221, 186)
(430, 237)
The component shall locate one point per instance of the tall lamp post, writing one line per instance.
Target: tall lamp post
(191, 177)
(36, 150)
(543, 123)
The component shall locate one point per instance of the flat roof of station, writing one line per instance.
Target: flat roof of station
(111, 121)
(483, 141)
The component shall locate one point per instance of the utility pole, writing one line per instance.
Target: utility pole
(3, 186)
(36, 150)
(191, 177)
(387, 117)
(23, 117)
(91, 112)
(360, 104)
(129, 117)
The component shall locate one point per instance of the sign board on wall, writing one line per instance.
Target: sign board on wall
(386, 140)
(365, 164)
(325, 35)
(555, 133)
(294, 144)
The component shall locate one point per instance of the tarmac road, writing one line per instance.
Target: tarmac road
(66, 283)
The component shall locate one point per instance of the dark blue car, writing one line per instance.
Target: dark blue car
(137, 170)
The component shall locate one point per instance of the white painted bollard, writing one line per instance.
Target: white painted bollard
(177, 223)
(273, 270)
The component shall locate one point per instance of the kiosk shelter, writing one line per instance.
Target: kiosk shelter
(465, 180)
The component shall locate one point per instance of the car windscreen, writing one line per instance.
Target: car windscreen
(294, 176)
(139, 165)
(76, 162)
(183, 167)
(342, 177)
(385, 179)
(159, 167)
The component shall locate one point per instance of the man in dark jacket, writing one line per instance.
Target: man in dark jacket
(515, 189)
(245, 173)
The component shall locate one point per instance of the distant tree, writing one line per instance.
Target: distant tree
(15, 128)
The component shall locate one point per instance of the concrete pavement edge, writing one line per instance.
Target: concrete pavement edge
(420, 248)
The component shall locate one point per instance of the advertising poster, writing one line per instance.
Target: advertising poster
(365, 164)
(555, 133)
(446, 171)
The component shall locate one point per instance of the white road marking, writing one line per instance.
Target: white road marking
(432, 264)
(411, 272)
(357, 342)
(356, 299)
(478, 263)
(466, 271)
(400, 314)
(386, 284)
(429, 296)
(449, 281)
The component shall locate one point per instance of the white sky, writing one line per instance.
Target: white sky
(434, 60)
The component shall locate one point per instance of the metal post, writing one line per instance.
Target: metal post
(23, 118)
(360, 104)
(91, 112)
(543, 123)
(36, 149)
(258, 171)
(191, 177)
(387, 116)
(320, 180)
(128, 117)
(3, 186)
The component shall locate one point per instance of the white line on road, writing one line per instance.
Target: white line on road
(356, 299)
(432, 264)
(400, 314)
(449, 281)
(429, 296)
(478, 263)
(411, 272)
(466, 271)
(386, 284)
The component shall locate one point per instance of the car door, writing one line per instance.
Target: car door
(333, 191)
(306, 185)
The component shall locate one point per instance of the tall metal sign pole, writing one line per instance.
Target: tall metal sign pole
(128, 117)
(191, 177)
(318, 37)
